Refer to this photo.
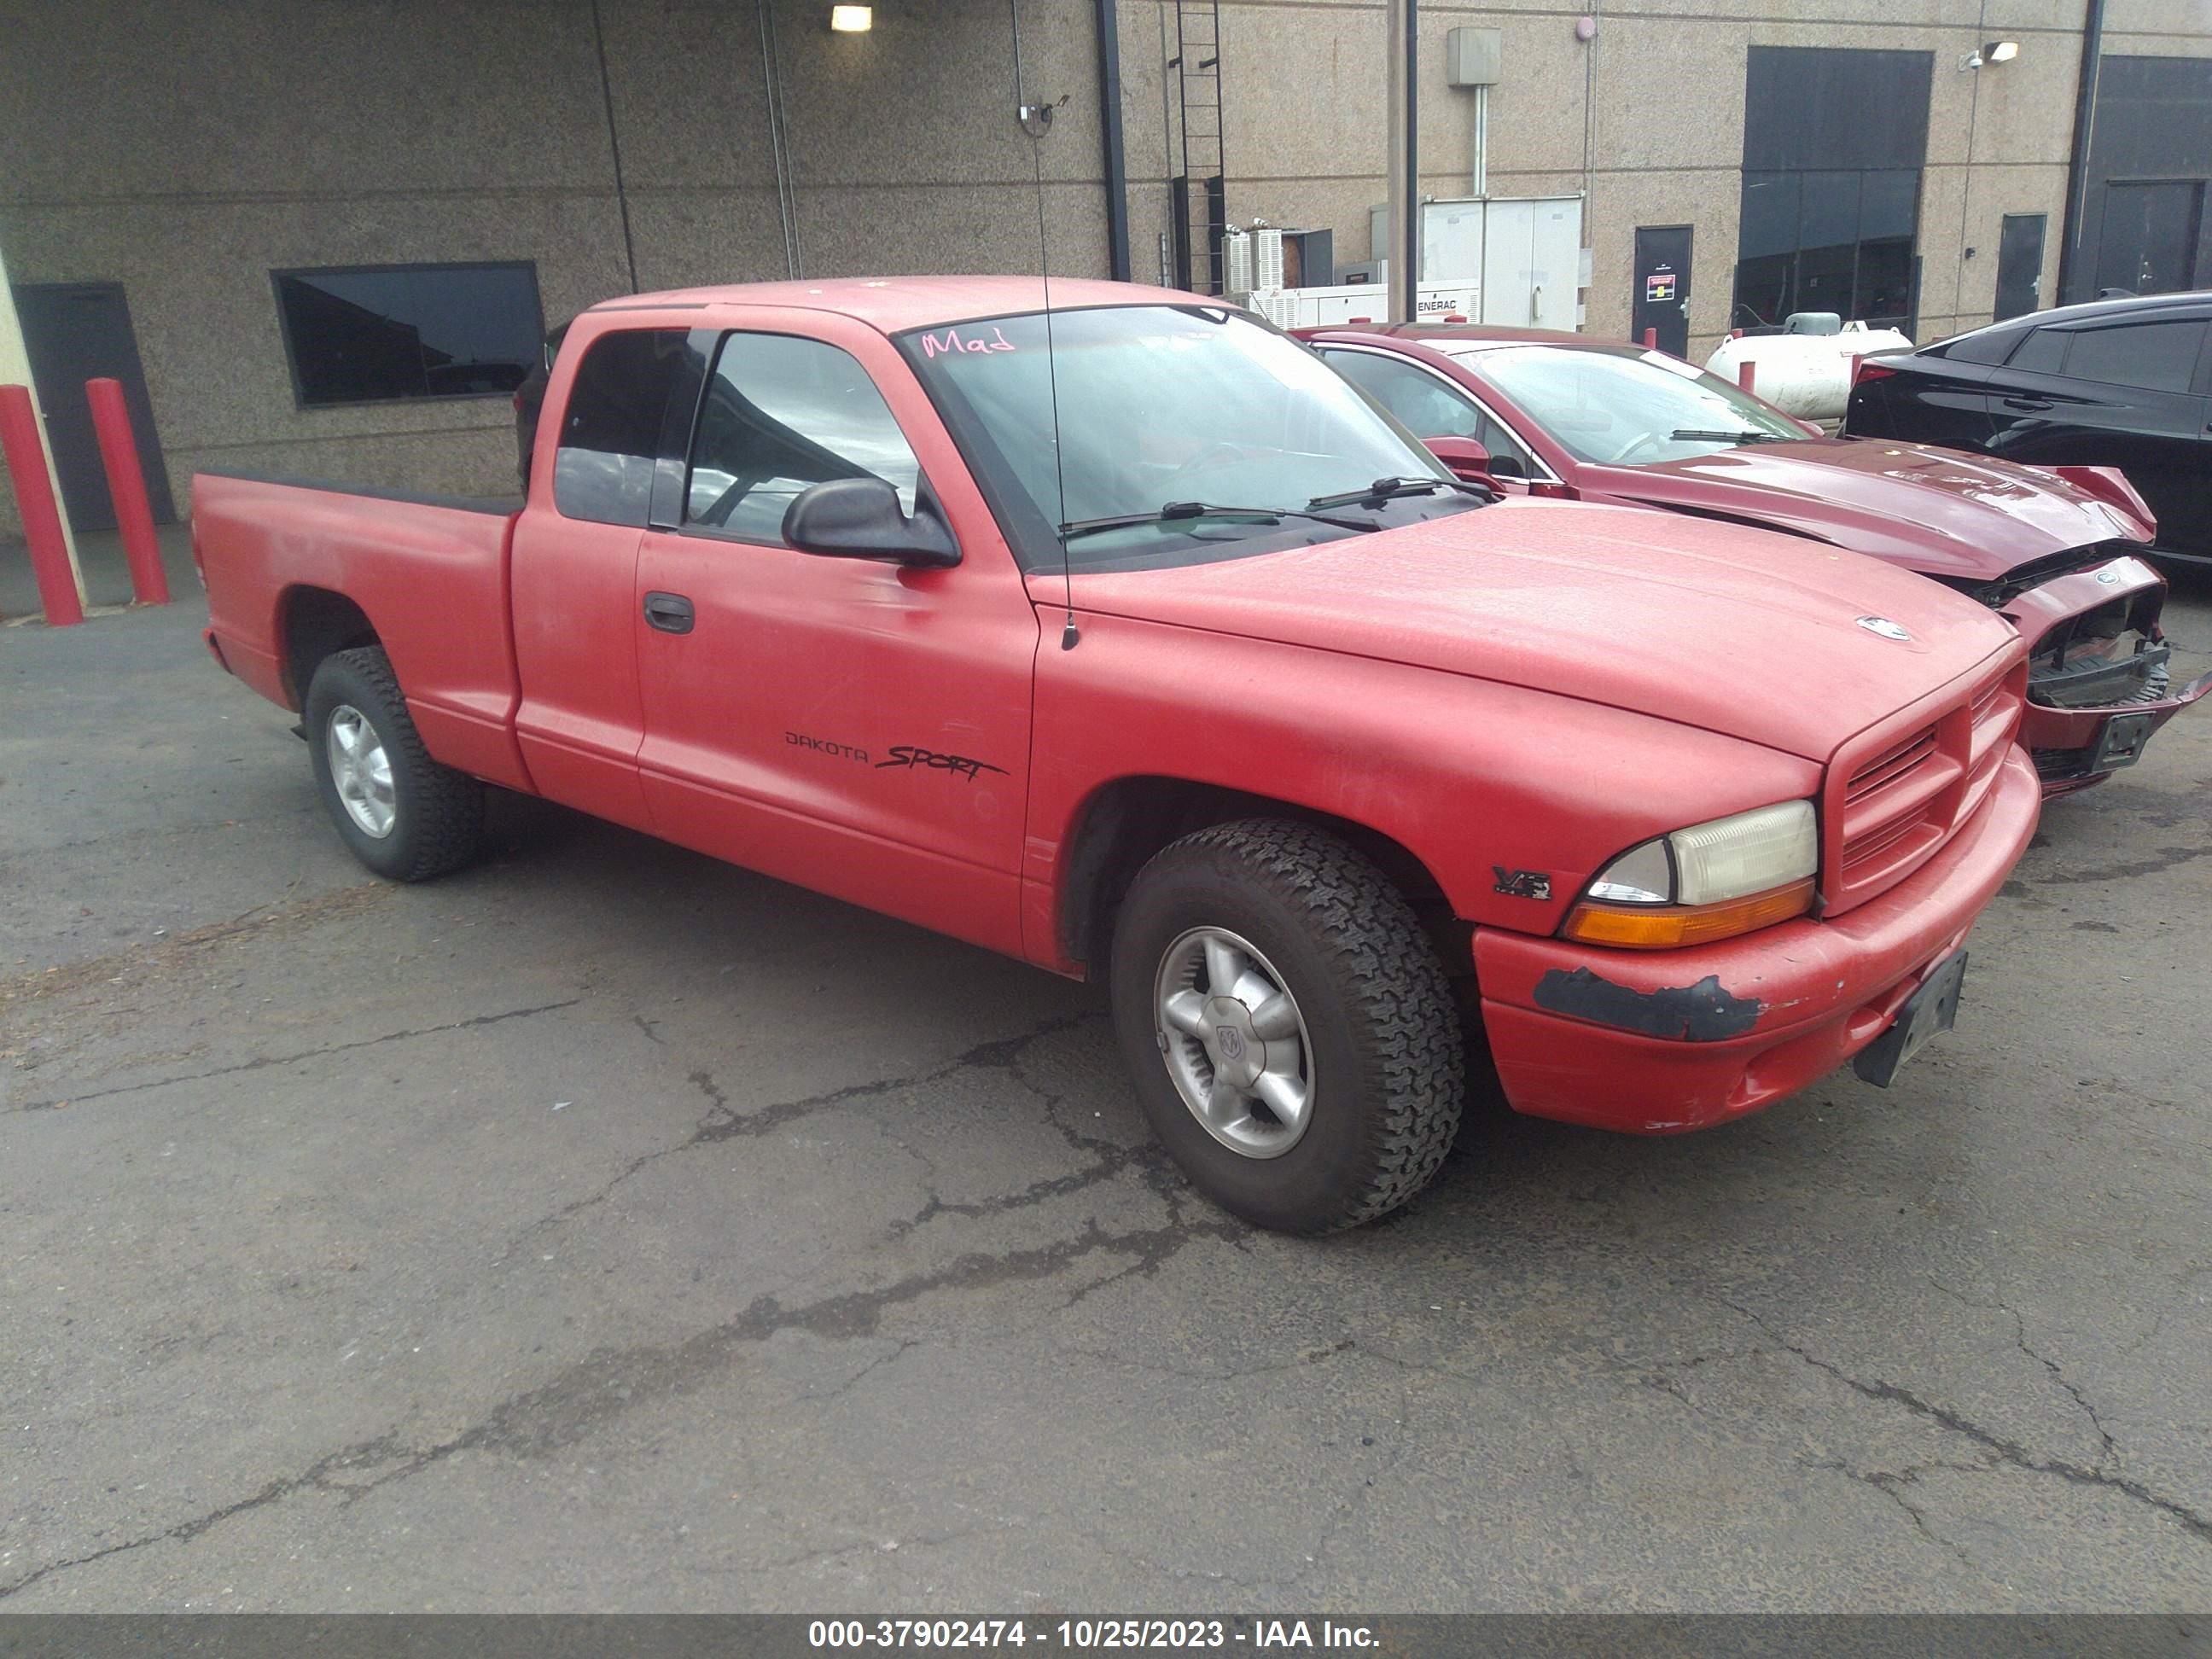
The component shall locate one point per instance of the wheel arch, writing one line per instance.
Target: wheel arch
(1122, 822)
(313, 623)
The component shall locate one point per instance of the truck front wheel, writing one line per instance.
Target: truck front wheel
(1290, 1032)
(404, 815)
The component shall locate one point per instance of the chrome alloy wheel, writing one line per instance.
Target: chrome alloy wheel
(361, 771)
(1234, 1041)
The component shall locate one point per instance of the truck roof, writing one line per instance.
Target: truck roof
(895, 303)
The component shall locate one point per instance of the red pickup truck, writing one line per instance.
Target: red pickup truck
(1128, 639)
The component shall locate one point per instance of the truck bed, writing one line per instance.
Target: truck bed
(294, 566)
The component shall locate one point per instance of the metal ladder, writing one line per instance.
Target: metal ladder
(1200, 203)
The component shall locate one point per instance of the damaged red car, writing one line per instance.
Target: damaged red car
(2056, 553)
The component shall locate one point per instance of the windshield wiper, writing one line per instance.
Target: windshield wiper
(1383, 489)
(1749, 434)
(1176, 511)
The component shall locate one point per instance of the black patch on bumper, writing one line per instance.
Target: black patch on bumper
(1703, 1013)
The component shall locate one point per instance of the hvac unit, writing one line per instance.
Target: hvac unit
(1237, 261)
(1253, 258)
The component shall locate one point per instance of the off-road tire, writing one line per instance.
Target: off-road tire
(439, 823)
(1388, 1069)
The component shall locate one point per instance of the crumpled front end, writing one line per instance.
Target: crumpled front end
(2099, 672)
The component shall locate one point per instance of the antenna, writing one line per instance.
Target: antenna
(1037, 120)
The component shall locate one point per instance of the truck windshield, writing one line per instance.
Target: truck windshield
(1623, 407)
(1166, 406)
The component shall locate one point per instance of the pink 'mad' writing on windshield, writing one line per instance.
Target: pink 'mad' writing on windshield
(933, 344)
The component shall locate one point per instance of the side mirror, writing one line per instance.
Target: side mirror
(1466, 457)
(859, 519)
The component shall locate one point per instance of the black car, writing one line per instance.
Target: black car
(2124, 383)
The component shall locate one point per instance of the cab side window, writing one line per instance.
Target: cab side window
(1428, 408)
(781, 413)
(2159, 356)
(611, 429)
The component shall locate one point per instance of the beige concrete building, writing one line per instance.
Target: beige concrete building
(244, 208)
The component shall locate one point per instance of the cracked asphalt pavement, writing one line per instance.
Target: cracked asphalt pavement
(605, 1229)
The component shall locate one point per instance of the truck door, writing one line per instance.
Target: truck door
(856, 727)
(574, 570)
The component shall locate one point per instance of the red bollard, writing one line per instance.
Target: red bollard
(1651, 339)
(41, 514)
(1746, 373)
(126, 485)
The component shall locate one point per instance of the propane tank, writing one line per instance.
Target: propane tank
(1805, 375)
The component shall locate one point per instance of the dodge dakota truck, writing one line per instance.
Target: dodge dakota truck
(1126, 637)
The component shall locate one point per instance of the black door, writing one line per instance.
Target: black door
(2149, 242)
(2019, 265)
(2124, 394)
(1661, 299)
(74, 332)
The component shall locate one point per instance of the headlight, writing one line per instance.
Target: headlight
(1712, 881)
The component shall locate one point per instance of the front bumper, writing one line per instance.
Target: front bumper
(2074, 748)
(2076, 742)
(1660, 1043)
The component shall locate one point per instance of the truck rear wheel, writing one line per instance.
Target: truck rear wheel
(404, 815)
(1290, 1032)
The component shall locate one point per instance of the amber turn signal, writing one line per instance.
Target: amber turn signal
(1665, 926)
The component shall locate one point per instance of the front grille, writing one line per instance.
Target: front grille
(1891, 766)
(1898, 793)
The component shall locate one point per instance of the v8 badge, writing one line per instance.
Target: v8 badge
(1523, 884)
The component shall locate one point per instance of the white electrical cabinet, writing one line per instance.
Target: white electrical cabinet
(1366, 302)
(1524, 253)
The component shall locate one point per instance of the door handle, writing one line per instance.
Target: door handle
(669, 613)
(2028, 403)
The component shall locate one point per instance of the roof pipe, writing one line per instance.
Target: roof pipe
(1402, 28)
(2077, 164)
(1105, 12)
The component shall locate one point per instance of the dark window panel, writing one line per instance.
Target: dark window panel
(2042, 352)
(1829, 214)
(1765, 291)
(1883, 293)
(1770, 214)
(374, 334)
(2153, 131)
(610, 430)
(2151, 357)
(1889, 204)
(1808, 108)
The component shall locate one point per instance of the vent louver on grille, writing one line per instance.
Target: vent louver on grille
(1893, 801)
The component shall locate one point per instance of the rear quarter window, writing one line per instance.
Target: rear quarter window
(2043, 352)
(610, 429)
(1987, 345)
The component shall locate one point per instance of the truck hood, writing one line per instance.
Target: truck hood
(1738, 631)
(1935, 511)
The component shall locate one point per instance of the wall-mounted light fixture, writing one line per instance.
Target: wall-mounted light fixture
(852, 19)
(1995, 52)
